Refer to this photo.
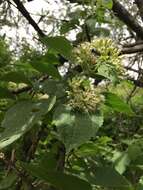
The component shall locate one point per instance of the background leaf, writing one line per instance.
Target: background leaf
(60, 180)
(110, 178)
(5, 93)
(8, 181)
(117, 104)
(15, 76)
(21, 117)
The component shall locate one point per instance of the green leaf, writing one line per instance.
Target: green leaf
(76, 128)
(135, 152)
(100, 12)
(121, 161)
(51, 58)
(98, 31)
(139, 186)
(60, 180)
(93, 148)
(5, 93)
(107, 4)
(21, 117)
(46, 68)
(8, 181)
(47, 160)
(117, 104)
(53, 87)
(101, 31)
(108, 72)
(59, 44)
(88, 149)
(68, 25)
(91, 22)
(15, 76)
(110, 178)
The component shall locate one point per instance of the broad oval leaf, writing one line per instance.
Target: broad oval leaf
(76, 128)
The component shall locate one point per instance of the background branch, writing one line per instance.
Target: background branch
(121, 12)
(139, 4)
(132, 49)
(26, 14)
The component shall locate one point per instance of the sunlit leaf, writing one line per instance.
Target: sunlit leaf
(108, 72)
(117, 104)
(107, 4)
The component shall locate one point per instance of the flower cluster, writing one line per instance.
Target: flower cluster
(107, 53)
(82, 95)
(83, 56)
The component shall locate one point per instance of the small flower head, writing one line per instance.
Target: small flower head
(82, 96)
(99, 51)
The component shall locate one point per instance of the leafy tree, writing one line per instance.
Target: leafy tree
(71, 110)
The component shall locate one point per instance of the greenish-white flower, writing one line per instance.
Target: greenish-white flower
(83, 96)
(89, 61)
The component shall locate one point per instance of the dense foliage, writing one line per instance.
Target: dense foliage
(71, 110)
